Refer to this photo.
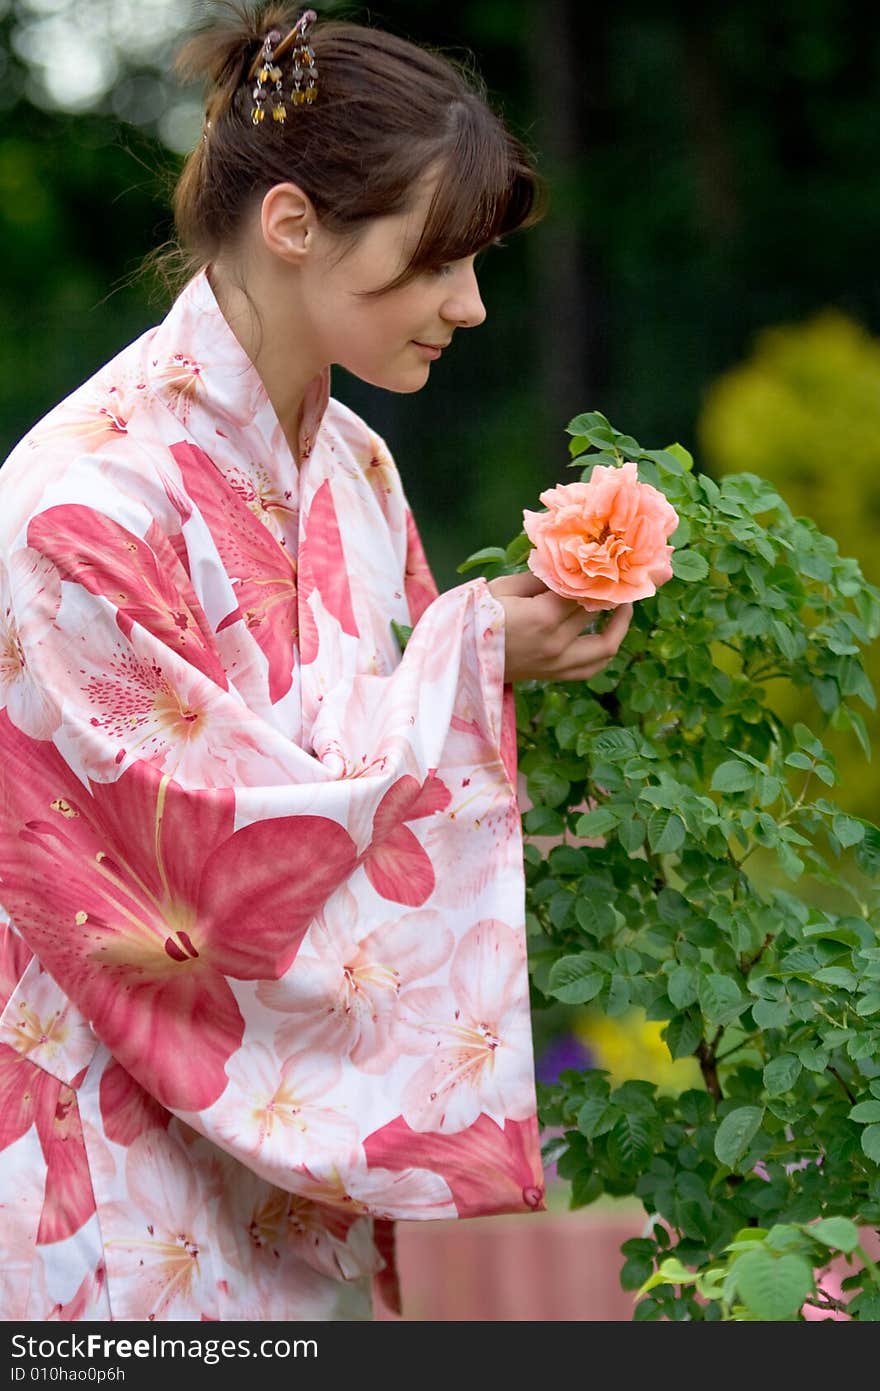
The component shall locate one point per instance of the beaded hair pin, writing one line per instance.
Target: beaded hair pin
(265, 69)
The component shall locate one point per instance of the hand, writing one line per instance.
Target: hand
(544, 633)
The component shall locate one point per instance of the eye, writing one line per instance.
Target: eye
(442, 272)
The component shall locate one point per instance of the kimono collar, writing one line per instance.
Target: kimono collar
(200, 370)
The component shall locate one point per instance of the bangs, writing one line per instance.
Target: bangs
(487, 189)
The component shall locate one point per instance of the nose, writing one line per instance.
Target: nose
(464, 306)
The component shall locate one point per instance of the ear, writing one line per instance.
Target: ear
(288, 222)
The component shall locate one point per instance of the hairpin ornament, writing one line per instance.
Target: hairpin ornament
(269, 91)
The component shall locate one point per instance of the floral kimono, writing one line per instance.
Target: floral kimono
(263, 966)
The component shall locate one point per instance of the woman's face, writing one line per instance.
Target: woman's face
(389, 340)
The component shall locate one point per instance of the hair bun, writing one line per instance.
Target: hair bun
(222, 52)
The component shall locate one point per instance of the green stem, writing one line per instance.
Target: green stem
(737, 1046)
(827, 1301)
(835, 1073)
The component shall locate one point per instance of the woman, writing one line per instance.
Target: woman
(264, 964)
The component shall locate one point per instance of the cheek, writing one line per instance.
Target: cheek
(385, 328)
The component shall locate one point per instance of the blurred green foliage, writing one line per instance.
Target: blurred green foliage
(803, 410)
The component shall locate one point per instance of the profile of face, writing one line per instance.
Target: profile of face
(389, 339)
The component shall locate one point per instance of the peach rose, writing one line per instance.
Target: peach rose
(602, 542)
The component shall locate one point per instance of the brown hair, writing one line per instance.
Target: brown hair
(387, 111)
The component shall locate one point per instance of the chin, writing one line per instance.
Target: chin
(402, 383)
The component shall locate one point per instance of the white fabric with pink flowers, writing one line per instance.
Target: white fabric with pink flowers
(264, 967)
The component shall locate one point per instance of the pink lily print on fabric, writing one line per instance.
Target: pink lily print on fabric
(486, 1162)
(386, 1193)
(30, 597)
(342, 999)
(135, 700)
(473, 1032)
(126, 1109)
(141, 934)
(263, 573)
(260, 1223)
(158, 1245)
(29, 1096)
(141, 578)
(420, 587)
(89, 1302)
(395, 863)
(41, 1024)
(275, 1115)
(322, 569)
(97, 415)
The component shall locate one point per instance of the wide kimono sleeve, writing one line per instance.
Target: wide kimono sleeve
(311, 952)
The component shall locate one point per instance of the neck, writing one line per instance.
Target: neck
(261, 316)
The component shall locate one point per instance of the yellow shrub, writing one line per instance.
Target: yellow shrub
(631, 1047)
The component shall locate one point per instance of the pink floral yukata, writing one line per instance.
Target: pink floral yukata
(263, 955)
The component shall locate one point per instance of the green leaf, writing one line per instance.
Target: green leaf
(689, 565)
(671, 1272)
(629, 1144)
(786, 641)
(866, 1112)
(402, 632)
(772, 1287)
(848, 830)
(682, 987)
(732, 776)
(488, 555)
(771, 1014)
(666, 832)
(585, 1188)
(595, 916)
(684, 457)
(837, 975)
(838, 1233)
(587, 420)
(806, 739)
(799, 760)
(596, 1117)
(721, 999)
(547, 786)
(791, 863)
(631, 834)
(574, 980)
(682, 1035)
(619, 996)
(596, 823)
(871, 1142)
(518, 549)
(769, 789)
(781, 1073)
(736, 1132)
(543, 821)
(868, 852)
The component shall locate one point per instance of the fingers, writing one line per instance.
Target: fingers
(522, 585)
(613, 632)
(616, 627)
(586, 656)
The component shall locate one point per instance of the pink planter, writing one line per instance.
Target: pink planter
(548, 1266)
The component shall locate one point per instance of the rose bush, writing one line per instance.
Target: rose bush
(730, 898)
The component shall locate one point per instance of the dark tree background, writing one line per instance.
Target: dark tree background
(711, 168)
